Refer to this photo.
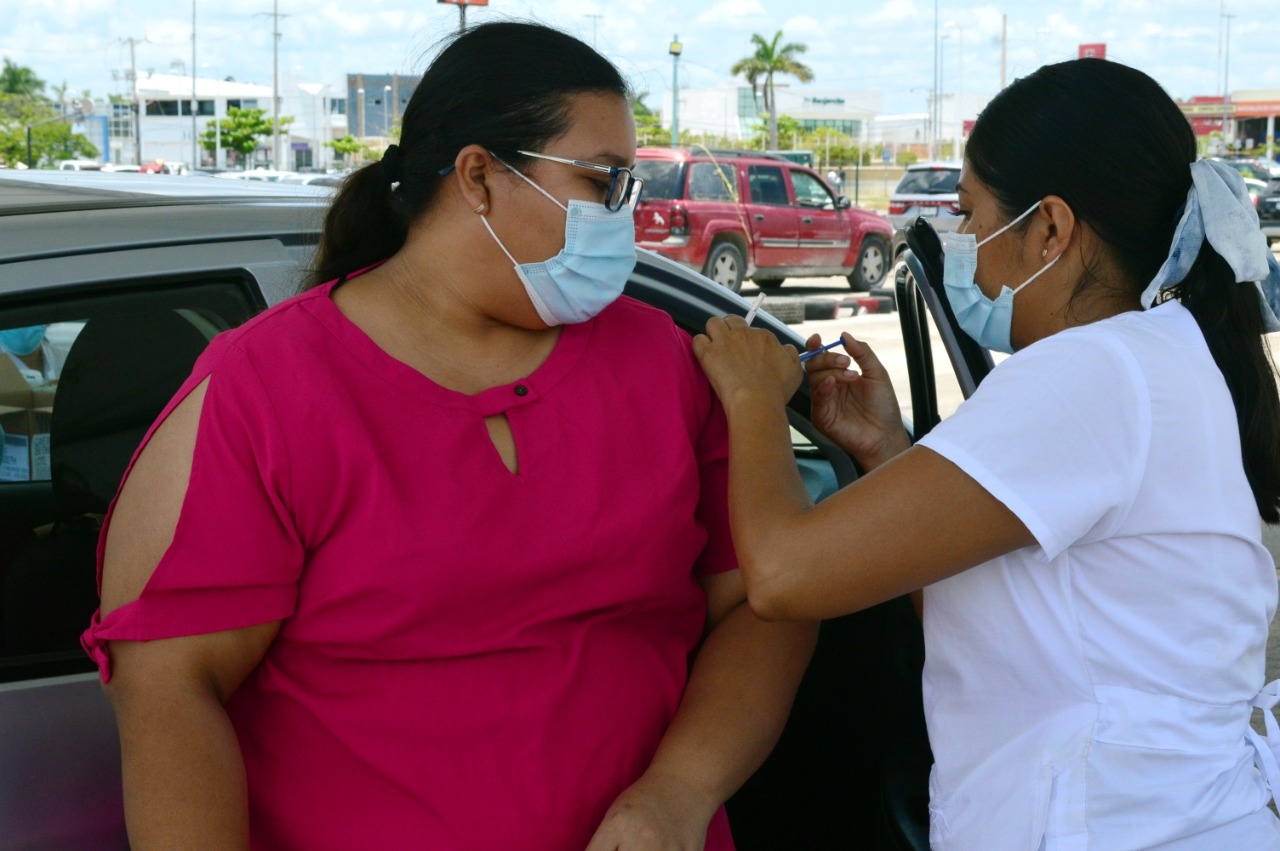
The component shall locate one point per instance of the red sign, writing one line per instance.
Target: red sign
(1093, 51)
(967, 128)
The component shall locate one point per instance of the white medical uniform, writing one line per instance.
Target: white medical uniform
(1094, 691)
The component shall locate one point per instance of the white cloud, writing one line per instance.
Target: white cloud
(732, 13)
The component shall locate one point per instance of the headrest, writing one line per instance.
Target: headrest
(120, 373)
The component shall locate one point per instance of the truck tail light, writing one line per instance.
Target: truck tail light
(679, 221)
(897, 208)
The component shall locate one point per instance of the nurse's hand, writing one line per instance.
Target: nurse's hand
(857, 409)
(655, 814)
(747, 361)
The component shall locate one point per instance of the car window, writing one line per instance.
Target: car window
(767, 185)
(74, 405)
(712, 182)
(810, 191)
(928, 181)
(661, 179)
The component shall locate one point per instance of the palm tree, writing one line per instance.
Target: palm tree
(770, 59)
(19, 80)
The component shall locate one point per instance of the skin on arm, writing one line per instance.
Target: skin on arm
(804, 561)
(735, 705)
(184, 783)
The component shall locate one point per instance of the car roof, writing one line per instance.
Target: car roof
(49, 191)
(687, 154)
(939, 166)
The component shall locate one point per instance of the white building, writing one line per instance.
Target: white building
(169, 129)
(732, 111)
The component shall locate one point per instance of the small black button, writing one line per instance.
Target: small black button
(521, 390)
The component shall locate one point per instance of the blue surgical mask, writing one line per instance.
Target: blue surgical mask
(590, 272)
(987, 321)
(22, 341)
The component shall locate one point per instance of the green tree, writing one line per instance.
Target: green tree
(759, 69)
(648, 126)
(17, 79)
(348, 146)
(52, 139)
(241, 131)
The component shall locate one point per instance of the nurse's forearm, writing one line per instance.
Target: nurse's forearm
(767, 498)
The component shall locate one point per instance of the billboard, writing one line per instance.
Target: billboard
(1093, 51)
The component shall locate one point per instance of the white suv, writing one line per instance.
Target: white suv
(927, 189)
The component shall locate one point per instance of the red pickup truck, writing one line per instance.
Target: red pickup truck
(737, 214)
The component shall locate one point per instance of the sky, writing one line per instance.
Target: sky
(880, 45)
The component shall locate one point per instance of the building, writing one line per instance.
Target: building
(1248, 118)
(733, 112)
(377, 101)
(171, 121)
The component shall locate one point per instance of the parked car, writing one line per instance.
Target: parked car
(142, 273)
(1268, 204)
(929, 190)
(736, 214)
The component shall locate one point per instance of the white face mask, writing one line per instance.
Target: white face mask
(590, 272)
(989, 322)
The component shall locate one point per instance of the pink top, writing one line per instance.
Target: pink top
(470, 658)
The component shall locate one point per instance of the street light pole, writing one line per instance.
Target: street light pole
(386, 119)
(1226, 73)
(675, 50)
(195, 156)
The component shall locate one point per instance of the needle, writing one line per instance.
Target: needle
(755, 307)
(806, 355)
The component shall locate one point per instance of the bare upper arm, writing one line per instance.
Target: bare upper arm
(142, 528)
(146, 512)
(724, 591)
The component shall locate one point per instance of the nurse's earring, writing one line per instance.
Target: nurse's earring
(483, 206)
(1044, 254)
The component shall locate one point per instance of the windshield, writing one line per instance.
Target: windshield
(661, 179)
(925, 181)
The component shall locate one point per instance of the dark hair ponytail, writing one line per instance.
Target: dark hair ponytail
(504, 85)
(1230, 317)
(1112, 144)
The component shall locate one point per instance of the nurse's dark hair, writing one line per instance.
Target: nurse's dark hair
(504, 85)
(1110, 142)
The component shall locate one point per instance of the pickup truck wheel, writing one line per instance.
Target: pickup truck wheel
(873, 265)
(725, 266)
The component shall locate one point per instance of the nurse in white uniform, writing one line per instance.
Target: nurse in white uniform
(1087, 527)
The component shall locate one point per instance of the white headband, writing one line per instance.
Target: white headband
(1219, 209)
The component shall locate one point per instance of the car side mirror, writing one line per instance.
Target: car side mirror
(843, 202)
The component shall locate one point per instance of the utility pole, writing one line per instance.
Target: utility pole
(195, 155)
(137, 105)
(1226, 77)
(675, 50)
(594, 20)
(275, 85)
(1004, 44)
(935, 110)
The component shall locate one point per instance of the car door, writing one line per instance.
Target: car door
(851, 768)
(822, 231)
(774, 223)
(122, 330)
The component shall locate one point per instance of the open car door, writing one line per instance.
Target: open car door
(920, 296)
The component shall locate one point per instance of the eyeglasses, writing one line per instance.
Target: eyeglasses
(624, 187)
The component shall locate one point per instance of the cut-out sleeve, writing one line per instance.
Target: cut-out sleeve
(236, 556)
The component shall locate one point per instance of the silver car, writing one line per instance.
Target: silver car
(138, 275)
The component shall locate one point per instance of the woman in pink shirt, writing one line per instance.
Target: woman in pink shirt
(420, 558)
